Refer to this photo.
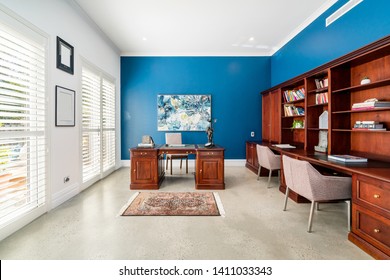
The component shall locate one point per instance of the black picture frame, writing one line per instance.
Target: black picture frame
(65, 107)
(65, 56)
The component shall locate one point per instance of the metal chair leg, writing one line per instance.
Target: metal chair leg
(258, 172)
(349, 214)
(285, 199)
(186, 165)
(171, 165)
(311, 216)
(269, 178)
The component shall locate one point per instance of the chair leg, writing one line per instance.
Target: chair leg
(349, 214)
(258, 172)
(166, 163)
(171, 166)
(318, 206)
(311, 216)
(186, 165)
(181, 163)
(286, 198)
(269, 178)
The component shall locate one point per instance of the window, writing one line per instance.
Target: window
(98, 124)
(22, 122)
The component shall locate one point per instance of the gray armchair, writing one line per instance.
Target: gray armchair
(268, 160)
(305, 180)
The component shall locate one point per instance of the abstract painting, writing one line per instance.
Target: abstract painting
(183, 112)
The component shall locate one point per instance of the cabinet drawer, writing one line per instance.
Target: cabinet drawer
(210, 153)
(373, 192)
(372, 227)
(143, 153)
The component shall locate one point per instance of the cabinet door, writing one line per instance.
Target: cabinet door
(210, 170)
(275, 122)
(143, 170)
(266, 115)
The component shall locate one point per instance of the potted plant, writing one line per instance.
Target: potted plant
(365, 80)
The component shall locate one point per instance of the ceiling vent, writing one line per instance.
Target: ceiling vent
(343, 10)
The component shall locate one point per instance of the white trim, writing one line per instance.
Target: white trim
(305, 24)
(191, 162)
(64, 195)
(202, 54)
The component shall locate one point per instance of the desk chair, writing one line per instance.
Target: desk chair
(175, 138)
(268, 160)
(305, 180)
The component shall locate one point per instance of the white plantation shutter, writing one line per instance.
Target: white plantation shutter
(22, 124)
(108, 124)
(98, 102)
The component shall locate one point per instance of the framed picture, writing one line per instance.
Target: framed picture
(65, 107)
(177, 112)
(65, 56)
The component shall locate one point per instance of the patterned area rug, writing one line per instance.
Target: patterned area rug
(173, 204)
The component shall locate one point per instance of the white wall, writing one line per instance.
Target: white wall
(64, 19)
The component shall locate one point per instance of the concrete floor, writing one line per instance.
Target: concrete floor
(255, 227)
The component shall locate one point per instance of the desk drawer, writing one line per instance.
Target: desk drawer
(210, 153)
(372, 192)
(372, 227)
(143, 153)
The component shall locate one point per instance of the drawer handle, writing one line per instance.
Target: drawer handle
(200, 171)
(377, 196)
(134, 170)
(377, 230)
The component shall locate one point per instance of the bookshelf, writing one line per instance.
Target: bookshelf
(335, 87)
(293, 113)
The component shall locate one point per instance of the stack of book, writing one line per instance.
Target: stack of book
(291, 110)
(370, 105)
(347, 158)
(294, 95)
(368, 125)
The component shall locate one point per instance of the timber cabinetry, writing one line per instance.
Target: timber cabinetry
(293, 112)
(252, 161)
(210, 169)
(335, 87)
(146, 168)
(271, 116)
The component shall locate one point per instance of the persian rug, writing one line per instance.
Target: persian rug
(173, 204)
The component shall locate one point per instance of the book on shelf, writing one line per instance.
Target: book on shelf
(370, 105)
(146, 145)
(370, 129)
(321, 83)
(347, 158)
(368, 125)
(291, 110)
(294, 95)
(322, 98)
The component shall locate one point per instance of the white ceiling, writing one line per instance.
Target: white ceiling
(202, 27)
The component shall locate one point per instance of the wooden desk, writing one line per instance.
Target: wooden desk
(370, 198)
(147, 167)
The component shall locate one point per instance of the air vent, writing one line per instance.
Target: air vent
(343, 10)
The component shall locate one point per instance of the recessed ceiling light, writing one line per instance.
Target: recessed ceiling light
(144, 39)
(251, 38)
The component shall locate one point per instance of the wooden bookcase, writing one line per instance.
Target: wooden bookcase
(289, 134)
(271, 117)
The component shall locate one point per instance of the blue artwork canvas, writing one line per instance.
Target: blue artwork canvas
(183, 112)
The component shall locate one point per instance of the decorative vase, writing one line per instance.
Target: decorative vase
(365, 81)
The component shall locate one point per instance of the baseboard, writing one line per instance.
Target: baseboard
(64, 195)
(191, 162)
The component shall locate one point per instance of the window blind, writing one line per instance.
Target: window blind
(22, 125)
(98, 102)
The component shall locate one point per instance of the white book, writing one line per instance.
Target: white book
(347, 158)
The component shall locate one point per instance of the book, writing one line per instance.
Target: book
(284, 146)
(347, 158)
(146, 145)
(371, 104)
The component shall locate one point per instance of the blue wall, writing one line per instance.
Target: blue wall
(317, 44)
(233, 82)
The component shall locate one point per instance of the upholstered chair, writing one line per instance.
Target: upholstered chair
(175, 139)
(305, 180)
(268, 160)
